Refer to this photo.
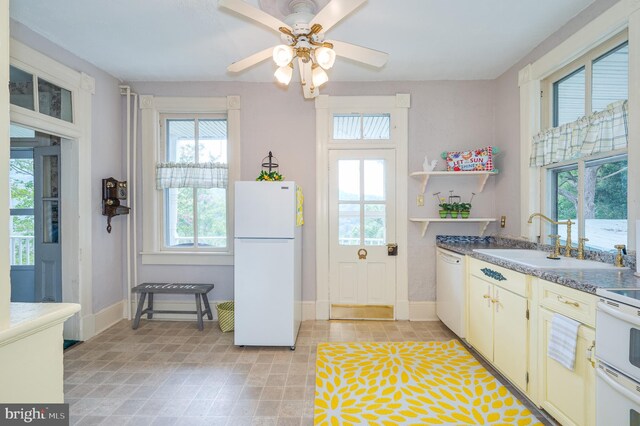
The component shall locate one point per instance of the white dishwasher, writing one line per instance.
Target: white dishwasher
(450, 306)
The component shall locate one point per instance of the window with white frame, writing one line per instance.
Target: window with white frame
(583, 152)
(193, 179)
(190, 162)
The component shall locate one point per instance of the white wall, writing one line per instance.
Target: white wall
(107, 155)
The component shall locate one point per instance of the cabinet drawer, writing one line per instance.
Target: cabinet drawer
(572, 303)
(502, 277)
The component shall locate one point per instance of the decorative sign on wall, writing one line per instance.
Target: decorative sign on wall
(473, 160)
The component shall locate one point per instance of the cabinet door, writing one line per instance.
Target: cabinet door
(480, 330)
(510, 346)
(569, 396)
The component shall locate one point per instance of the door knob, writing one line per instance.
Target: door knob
(392, 249)
(362, 254)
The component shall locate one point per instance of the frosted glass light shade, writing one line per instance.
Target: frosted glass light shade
(283, 74)
(282, 55)
(319, 77)
(325, 57)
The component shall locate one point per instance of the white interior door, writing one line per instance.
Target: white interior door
(362, 276)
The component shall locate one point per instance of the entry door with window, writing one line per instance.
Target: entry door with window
(362, 223)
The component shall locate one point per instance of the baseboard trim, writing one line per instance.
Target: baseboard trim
(308, 310)
(108, 316)
(423, 311)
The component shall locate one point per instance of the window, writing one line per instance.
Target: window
(195, 218)
(589, 188)
(191, 162)
(53, 100)
(361, 126)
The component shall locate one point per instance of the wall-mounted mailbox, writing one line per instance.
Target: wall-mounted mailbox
(112, 192)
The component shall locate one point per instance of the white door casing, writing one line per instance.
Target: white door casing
(362, 221)
(397, 108)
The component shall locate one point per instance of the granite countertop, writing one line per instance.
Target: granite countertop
(587, 280)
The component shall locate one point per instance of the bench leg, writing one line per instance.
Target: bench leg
(207, 307)
(150, 306)
(199, 312)
(136, 320)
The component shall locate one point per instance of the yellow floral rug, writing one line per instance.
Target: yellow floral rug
(402, 383)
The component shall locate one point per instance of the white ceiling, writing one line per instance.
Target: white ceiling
(193, 40)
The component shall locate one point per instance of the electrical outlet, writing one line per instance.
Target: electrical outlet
(420, 200)
(503, 221)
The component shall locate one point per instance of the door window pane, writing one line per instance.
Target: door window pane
(610, 80)
(605, 203)
(349, 224)
(50, 222)
(50, 176)
(347, 126)
(179, 216)
(21, 240)
(21, 182)
(361, 126)
(374, 224)
(569, 98)
(54, 101)
(376, 126)
(374, 177)
(21, 88)
(348, 180)
(212, 217)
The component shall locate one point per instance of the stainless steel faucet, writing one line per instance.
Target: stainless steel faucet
(567, 247)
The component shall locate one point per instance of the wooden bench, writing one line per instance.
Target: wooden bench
(200, 291)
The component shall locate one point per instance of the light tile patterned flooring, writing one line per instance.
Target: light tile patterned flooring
(169, 373)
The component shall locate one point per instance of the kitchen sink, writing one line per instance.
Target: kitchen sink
(538, 259)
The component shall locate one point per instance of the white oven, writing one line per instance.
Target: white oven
(618, 338)
(618, 354)
(617, 399)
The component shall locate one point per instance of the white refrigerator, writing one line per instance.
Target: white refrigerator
(267, 264)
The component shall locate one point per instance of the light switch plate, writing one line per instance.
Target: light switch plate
(420, 200)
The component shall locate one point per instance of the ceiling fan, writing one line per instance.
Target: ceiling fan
(302, 36)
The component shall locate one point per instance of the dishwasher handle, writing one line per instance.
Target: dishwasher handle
(453, 260)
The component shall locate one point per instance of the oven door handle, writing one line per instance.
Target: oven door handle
(620, 315)
(618, 388)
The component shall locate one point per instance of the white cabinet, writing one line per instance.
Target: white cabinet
(498, 319)
(568, 395)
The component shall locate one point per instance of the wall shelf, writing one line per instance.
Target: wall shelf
(482, 177)
(425, 221)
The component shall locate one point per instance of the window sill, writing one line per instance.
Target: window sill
(187, 258)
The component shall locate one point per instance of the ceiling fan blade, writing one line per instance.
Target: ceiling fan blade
(335, 11)
(305, 80)
(252, 12)
(365, 55)
(250, 61)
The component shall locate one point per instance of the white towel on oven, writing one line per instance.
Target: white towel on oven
(563, 340)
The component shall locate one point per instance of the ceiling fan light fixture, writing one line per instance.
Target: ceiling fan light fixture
(282, 55)
(284, 73)
(325, 57)
(318, 76)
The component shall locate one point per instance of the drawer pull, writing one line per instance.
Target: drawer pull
(486, 296)
(568, 302)
(493, 274)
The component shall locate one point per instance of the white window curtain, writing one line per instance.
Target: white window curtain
(191, 175)
(601, 131)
